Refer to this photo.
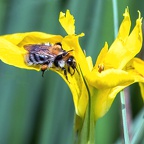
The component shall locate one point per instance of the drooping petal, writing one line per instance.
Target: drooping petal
(78, 90)
(21, 39)
(124, 47)
(136, 68)
(104, 99)
(136, 65)
(67, 22)
(13, 55)
(12, 51)
(76, 82)
(109, 78)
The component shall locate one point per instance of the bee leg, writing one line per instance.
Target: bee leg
(70, 71)
(65, 73)
(43, 71)
(73, 72)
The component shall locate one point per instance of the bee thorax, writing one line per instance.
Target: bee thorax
(61, 63)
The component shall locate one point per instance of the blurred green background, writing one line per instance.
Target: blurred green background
(37, 110)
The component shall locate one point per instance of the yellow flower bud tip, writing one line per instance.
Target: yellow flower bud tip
(139, 20)
(126, 14)
(82, 34)
(68, 22)
(139, 13)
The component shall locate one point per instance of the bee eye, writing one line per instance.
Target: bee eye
(71, 61)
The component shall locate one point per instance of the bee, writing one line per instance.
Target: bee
(49, 56)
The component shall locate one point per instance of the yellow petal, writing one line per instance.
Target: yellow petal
(12, 54)
(76, 82)
(134, 41)
(12, 51)
(78, 90)
(137, 65)
(89, 62)
(77, 85)
(124, 47)
(105, 96)
(101, 56)
(67, 21)
(104, 99)
(125, 26)
(109, 78)
(21, 39)
(136, 68)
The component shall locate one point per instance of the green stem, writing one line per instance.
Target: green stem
(124, 118)
(115, 15)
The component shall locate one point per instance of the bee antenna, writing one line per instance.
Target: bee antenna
(70, 50)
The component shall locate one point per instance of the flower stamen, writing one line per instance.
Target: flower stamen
(100, 68)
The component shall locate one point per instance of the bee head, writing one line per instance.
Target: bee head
(71, 62)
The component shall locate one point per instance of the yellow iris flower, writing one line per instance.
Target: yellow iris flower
(115, 69)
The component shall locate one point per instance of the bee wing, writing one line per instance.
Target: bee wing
(29, 47)
(38, 48)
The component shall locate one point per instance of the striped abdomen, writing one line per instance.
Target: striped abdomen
(37, 59)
